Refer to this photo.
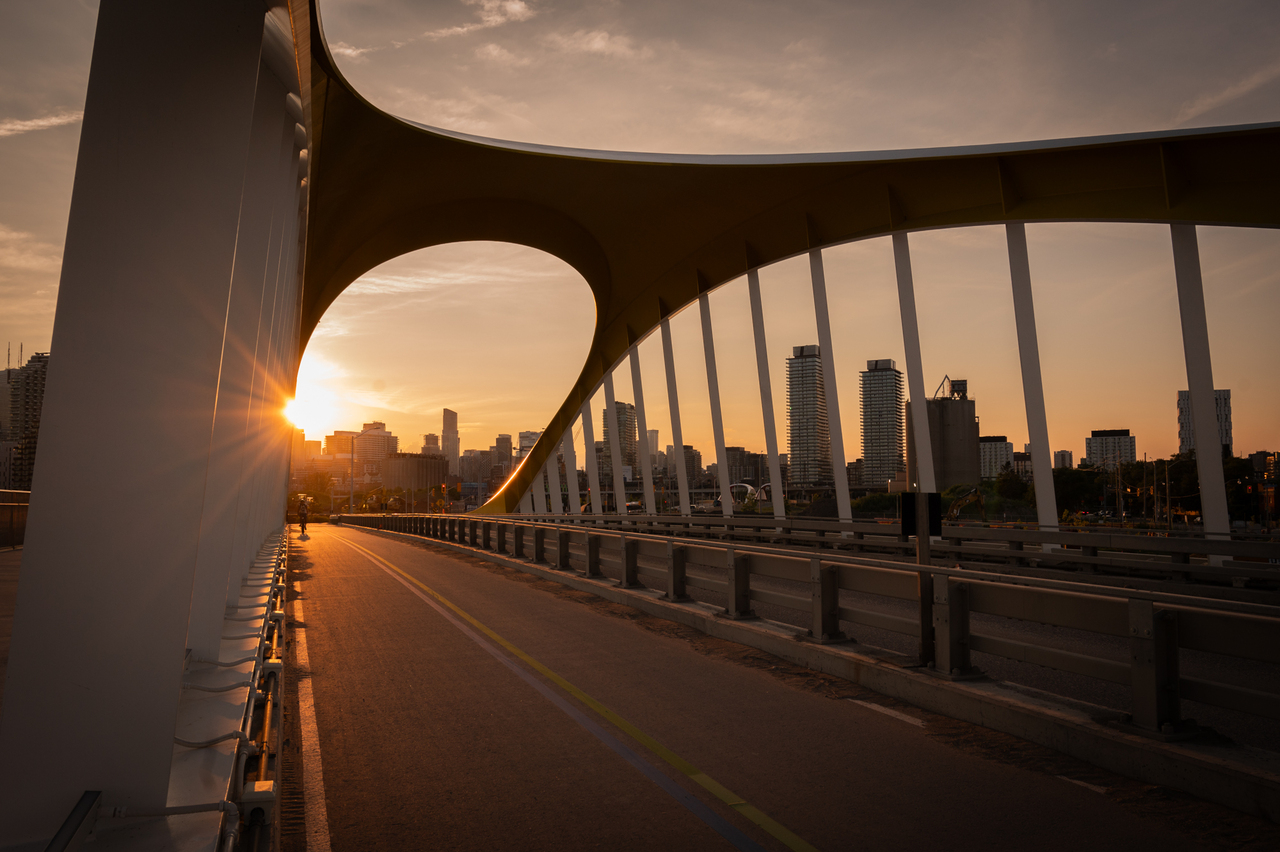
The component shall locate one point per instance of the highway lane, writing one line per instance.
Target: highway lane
(430, 739)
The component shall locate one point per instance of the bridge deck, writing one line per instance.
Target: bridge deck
(433, 731)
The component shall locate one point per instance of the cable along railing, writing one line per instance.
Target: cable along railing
(804, 588)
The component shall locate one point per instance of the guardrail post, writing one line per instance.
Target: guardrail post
(502, 537)
(471, 532)
(739, 566)
(562, 550)
(593, 555)
(517, 541)
(627, 550)
(826, 603)
(924, 591)
(1153, 638)
(486, 528)
(539, 545)
(676, 558)
(951, 627)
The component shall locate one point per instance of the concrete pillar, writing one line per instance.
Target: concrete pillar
(593, 467)
(227, 450)
(615, 446)
(571, 472)
(713, 391)
(829, 384)
(677, 436)
(1024, 315)
(915, 367)
(766, 398)
(642, 425)
(1195, 348)
(99, 635)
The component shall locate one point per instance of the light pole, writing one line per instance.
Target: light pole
(351, 504)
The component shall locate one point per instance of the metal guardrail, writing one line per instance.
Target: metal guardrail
(13, 517)
(1158, 625)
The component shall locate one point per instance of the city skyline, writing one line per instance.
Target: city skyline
(411, 338)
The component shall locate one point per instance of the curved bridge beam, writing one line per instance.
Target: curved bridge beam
(650, 232)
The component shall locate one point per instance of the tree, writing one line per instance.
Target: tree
(1009, 485)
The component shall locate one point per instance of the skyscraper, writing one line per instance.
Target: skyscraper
(627, 426)
(808, 433)
(1187, 428)
(883, 423)
(449, 442)
(502, 453)
(26, 399)
(431, 444)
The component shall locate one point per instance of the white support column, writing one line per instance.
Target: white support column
(571, 472)
(1195, 348)
(539, 491)
(556, 496)
(1024, 315)
(766, 398)
(829, 384)
(593, 466)
(713, 390)
(526, 502)
(615, 446)
(926, 481)
(642, 426)
(673, 400)
(99, 634)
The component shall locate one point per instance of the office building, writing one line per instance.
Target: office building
(431, 444)
(652, 439)
(450, 445)
(627, 426)
(501, 451)
(1187, 429)
(1063, 458)
(1109, 447)
(883, 424)
(1022, 466)
(414, 471)
(527, 440)
(26, 399)
(994, 452)
(475, 465)
(375, 444)
(808, 432)
(339, 443)
(953, 433)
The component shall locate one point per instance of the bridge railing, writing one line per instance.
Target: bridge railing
(13, 517)
(804, 588)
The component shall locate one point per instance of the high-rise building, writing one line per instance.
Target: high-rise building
(374, 445)
(502, 453)
(1063, 458)
(1109, 447)
(1022, 466)
(414, 471)
(475, 465)
(1187, 428)
(994, 452)
(450, 444)
(652, 438)
(431, 444)
(627, 426)
(527, 440)
(26, 399)
(883, 424)
(692, 464)
(808, 432)
(953, 434)
(339, 443)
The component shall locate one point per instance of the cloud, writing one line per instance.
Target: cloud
(1239, 89)
(16, 127)
(598, 42)
(22, 251)
(493, 13)
(355, 54)
(501, 56)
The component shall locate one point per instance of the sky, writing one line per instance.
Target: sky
(498, 332)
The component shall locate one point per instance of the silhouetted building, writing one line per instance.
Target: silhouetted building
(627, 426)
(431, 444)
(1063, 458)
(450, 444)
(883, 424)
(26, 399)
(414, 471)
(953, 433)
(808, 431)
(1187, 428)
(1110, 447)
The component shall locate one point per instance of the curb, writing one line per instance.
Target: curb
(1240, 777)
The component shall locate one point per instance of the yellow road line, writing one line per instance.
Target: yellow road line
(782, 833)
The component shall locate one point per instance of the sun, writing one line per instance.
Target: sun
(312, 410)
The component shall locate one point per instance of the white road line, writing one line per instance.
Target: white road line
(316, 814)
(1094, 787)
(889, 711)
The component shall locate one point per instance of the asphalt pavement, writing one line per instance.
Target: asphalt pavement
(455, 704)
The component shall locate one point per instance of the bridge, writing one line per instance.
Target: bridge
(233, 184)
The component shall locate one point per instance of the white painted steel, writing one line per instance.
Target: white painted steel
(147, 268)
(571, 472)
(1024, 315)
(1195, 348)
(673, 400)
(713, 389)
(555, 495)
(829, 384)
(540, 491)
(642, 427)
(526, 502)
(766, 398)
(615, 446)
(593, 467)
(927, 481)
